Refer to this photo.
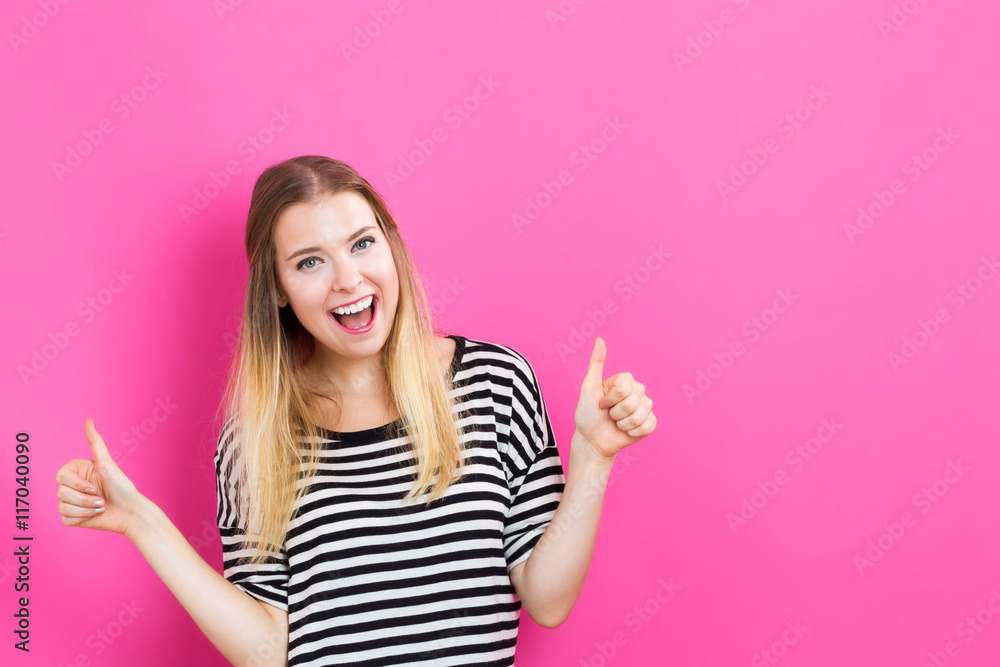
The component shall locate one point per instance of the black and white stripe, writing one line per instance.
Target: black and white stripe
(369, 580)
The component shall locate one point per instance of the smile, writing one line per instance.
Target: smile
(354, 306)
(358, 317)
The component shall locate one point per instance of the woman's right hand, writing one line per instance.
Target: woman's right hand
(96, 494)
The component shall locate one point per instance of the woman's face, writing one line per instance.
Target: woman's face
(334, 254)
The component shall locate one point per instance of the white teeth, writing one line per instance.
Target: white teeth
(360, 305)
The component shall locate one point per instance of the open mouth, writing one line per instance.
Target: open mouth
(358, 321)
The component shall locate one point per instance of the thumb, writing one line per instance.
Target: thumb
(596, 368)
(97, 445)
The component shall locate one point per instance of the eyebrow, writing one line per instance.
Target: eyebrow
(353, 236)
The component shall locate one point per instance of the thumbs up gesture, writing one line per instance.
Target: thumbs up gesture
(614, 413)
(96, 494)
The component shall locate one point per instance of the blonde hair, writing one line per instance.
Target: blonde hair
(269, 395)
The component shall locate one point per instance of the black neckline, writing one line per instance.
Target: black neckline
(385, 429)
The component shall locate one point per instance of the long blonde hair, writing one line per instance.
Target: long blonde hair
(269, 394)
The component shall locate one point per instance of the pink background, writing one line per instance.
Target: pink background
(546, 288)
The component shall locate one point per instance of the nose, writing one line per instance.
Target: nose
(346, 276)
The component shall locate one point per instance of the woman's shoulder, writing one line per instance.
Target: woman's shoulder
(493, 354)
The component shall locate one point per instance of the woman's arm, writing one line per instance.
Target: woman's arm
(611, 415)
(245, 630)
(551, 579)
(96, 494)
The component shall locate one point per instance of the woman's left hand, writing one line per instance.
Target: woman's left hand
(614, 413)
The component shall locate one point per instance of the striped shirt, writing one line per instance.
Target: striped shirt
(369, 580)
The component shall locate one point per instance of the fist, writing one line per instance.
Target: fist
(96, 494)
(614, 413)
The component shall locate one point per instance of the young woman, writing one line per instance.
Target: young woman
(386, 495)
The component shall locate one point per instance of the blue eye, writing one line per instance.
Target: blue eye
(369, 239)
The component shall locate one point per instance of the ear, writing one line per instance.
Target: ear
(282, 300)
